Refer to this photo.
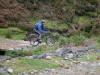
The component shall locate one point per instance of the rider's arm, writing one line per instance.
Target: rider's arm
(44, 28)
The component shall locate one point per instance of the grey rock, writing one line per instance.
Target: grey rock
(89, 48)
(98, 64)
(66, 53)
(25, 73)
(3, 70)
(47, 70)
(34, 56)
(4, 58)
(68, 56)
(97, 51)
(42, 56)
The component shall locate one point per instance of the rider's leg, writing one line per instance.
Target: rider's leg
(39, 36)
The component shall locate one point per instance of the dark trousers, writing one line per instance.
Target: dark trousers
(39, 35)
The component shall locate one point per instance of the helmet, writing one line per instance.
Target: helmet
(43, 21)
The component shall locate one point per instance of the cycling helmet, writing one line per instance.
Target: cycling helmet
(43, 21)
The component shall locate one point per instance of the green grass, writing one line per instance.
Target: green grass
(92, 13)
(96, 41)
(80, 19)
(12, 33)
(70, 4)
(88, 58)
(5, 74)
(28, 65)
(36, 50)
(97, 45)
(77, 39)
(18, 37)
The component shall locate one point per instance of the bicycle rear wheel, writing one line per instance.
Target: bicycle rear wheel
(33, 39)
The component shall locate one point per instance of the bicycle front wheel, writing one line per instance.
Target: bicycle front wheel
(49, 42)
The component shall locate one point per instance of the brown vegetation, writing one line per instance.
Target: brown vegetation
(18, 12)
(13, 14)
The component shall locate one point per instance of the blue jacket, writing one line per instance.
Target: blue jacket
(40, 27)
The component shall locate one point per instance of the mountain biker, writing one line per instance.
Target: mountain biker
(39, 29)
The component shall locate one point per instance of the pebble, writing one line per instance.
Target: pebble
(53, 69)
(48, 57)
(35, 71)
(8, 60)
(32, 72)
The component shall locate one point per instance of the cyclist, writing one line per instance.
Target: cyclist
(39, 29)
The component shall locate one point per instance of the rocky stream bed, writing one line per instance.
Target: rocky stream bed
(67, 54)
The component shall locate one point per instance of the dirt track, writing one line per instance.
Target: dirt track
(7, 44)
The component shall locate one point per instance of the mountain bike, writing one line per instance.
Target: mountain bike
(33, 39)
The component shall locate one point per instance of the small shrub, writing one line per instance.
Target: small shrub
(62, 41)
(16, 53)
(38, 51)
(77, 39)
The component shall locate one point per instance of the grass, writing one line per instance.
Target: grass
(29, 65)
(96, 41)
(18, 37)
(97, 45)
(12, 33)
(36, 50)
(5, 74)
(89, 58)
(42, 49)
(70, 5)
(92, 13)
(80, 19)
(77, 39)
